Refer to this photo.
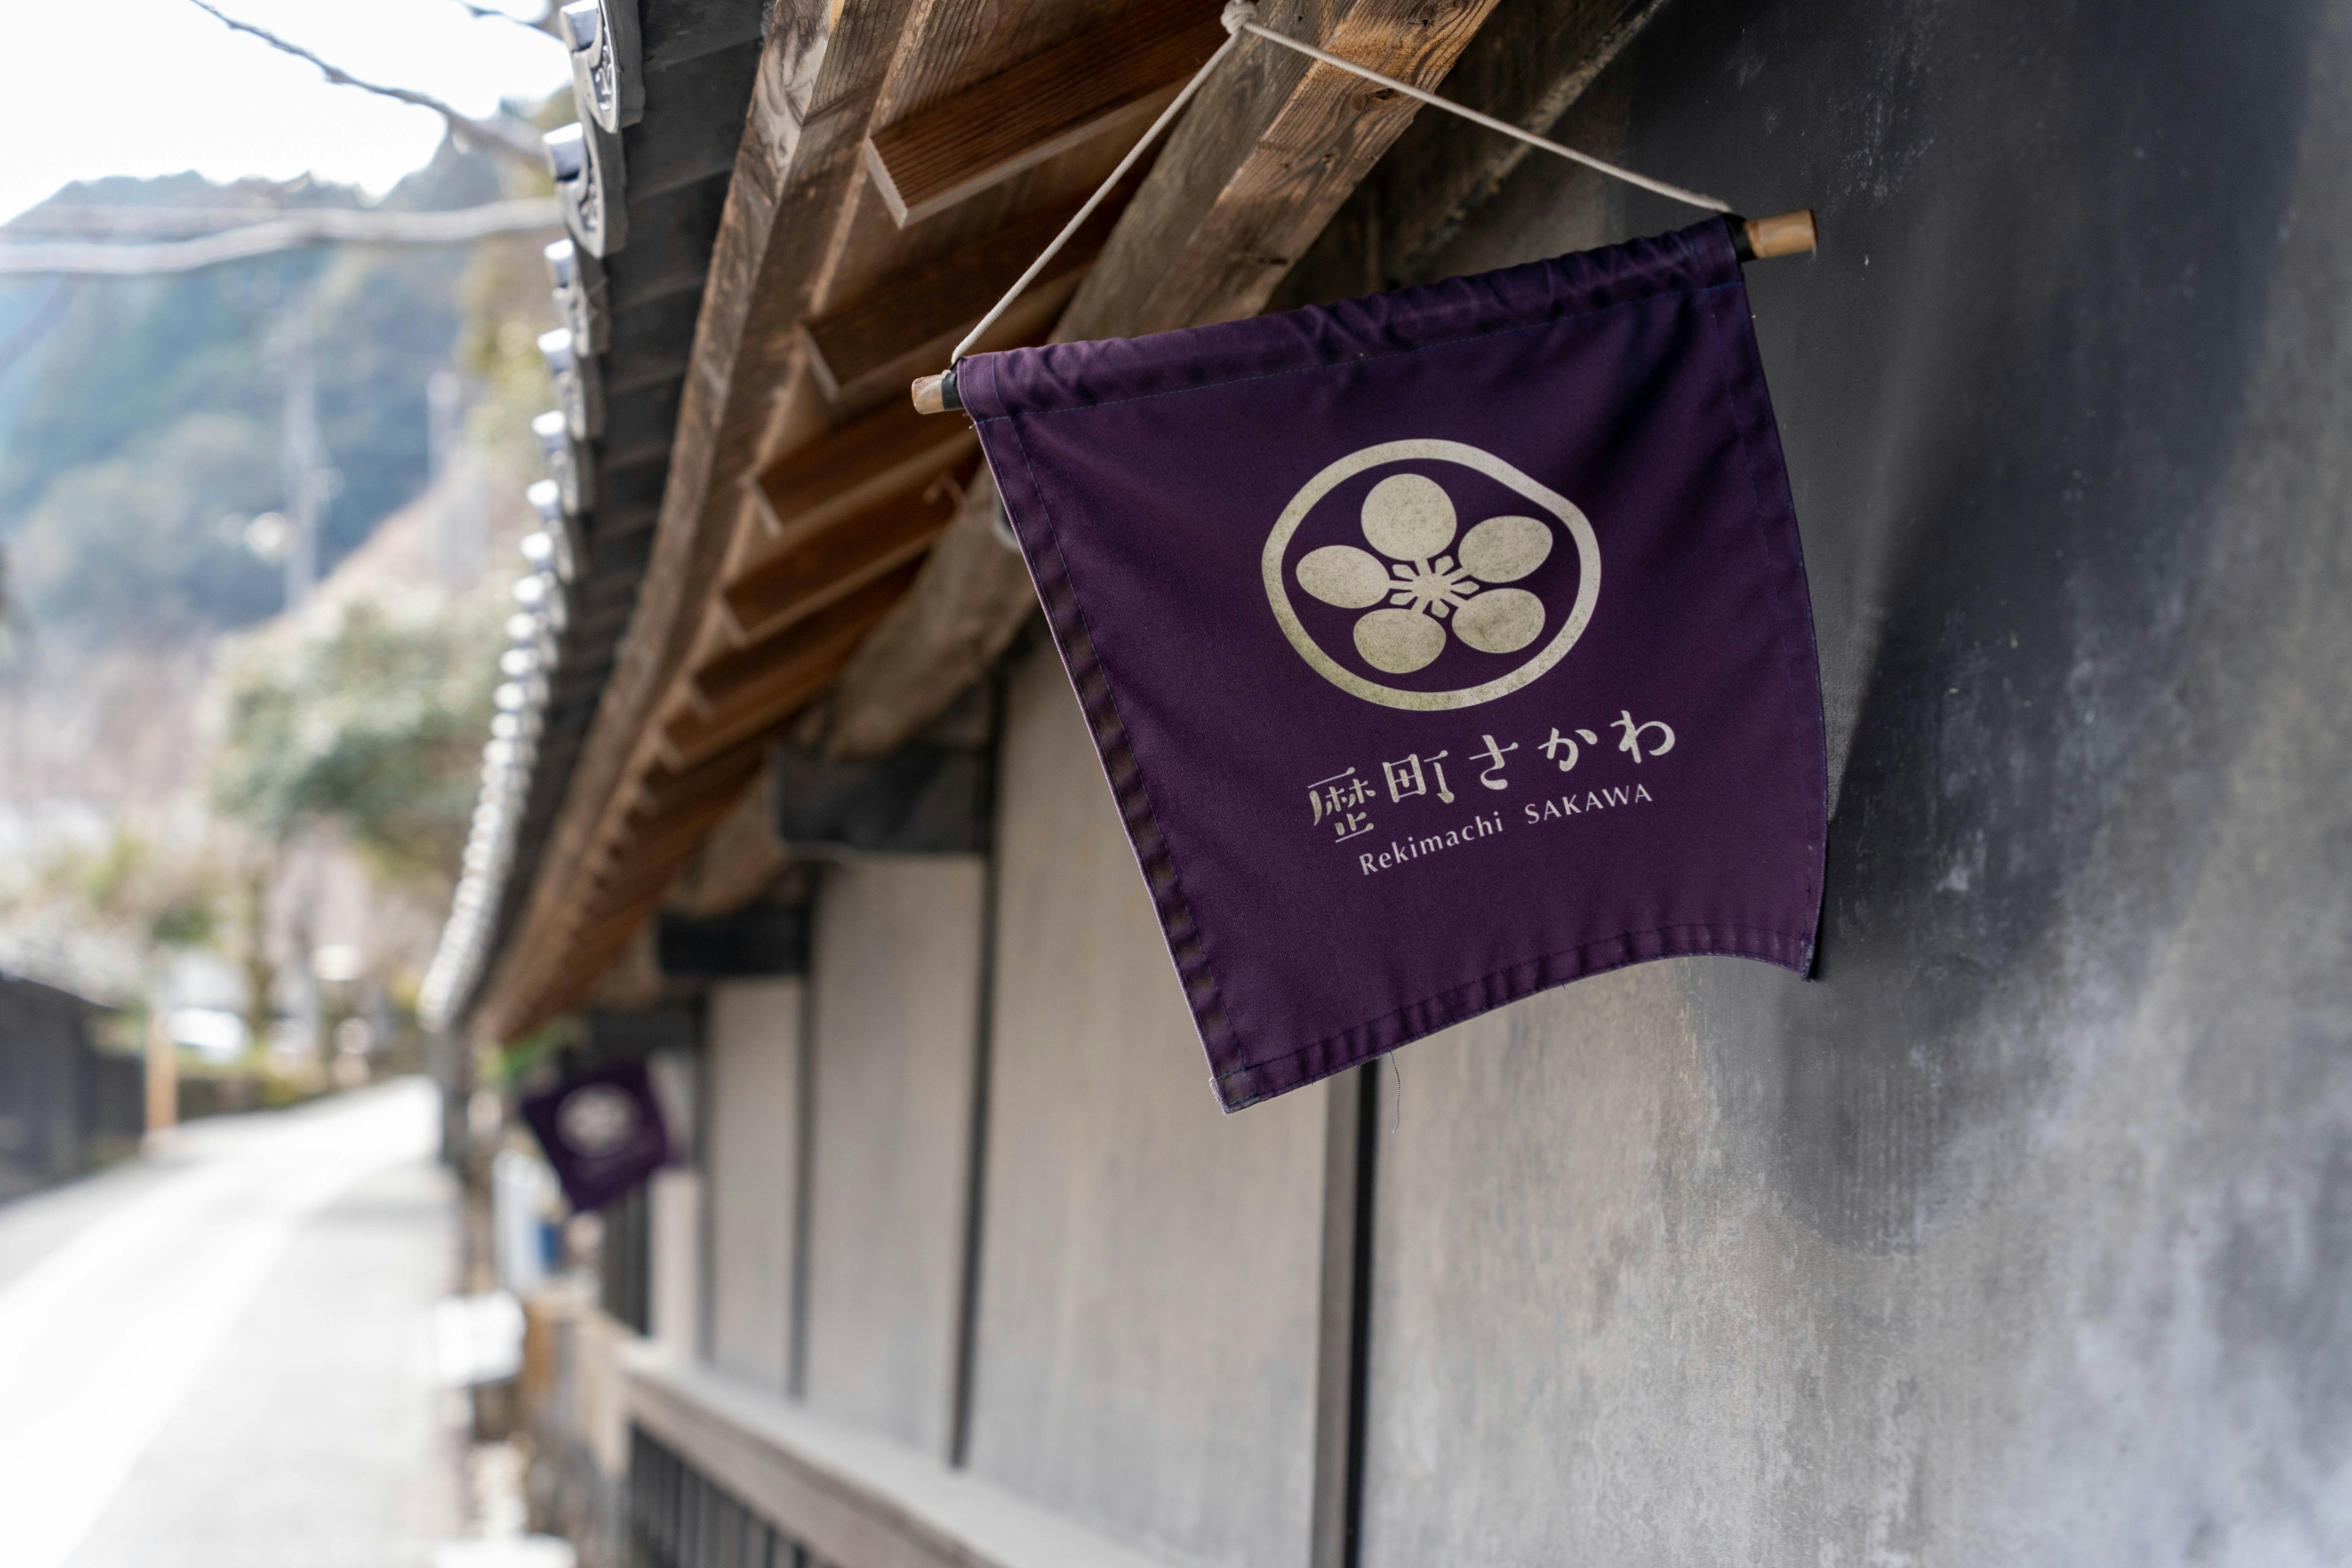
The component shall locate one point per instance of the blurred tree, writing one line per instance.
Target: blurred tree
(105, 405)
(377, 725)
(163, 895)
(149, 541)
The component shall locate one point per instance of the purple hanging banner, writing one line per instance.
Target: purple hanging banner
(602, 1131)
(1441, 646)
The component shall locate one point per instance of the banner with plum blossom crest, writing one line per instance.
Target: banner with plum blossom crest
(1440, 646)
(602, 1131)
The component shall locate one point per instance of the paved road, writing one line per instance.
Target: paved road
(220, 1356)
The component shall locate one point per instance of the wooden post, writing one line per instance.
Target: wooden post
(162, 1074)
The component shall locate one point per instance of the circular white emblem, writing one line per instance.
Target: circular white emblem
(598, 1120)
(1425, 586)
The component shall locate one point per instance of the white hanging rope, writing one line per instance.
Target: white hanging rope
(1232, 38)
(1240, 17)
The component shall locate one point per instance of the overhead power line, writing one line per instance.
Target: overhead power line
(504, 135)
(56, 220)
(308, 225)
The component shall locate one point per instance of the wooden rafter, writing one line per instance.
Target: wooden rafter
(789, 671)
(803, 577)
(888, 452)
(1109, 79)
(881, 339)
(664, 793)
(1250, 177)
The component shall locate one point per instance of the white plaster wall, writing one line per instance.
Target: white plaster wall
(896, 1006)
(2022, 1234)
(753, 1105)
(1148, 1270)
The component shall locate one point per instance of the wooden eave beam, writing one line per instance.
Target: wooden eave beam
(644, 827)
(1261, 159)
(650, 870)
(587, 956)
(790, 670)
(822, 70)
(889, 334)
(662, 792)
(1117, 76)
(892, 449)
(650, 861)
(1250, 175)
(802, 579)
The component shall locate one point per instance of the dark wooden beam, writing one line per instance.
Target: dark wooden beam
(662, 793)
(719, 688)
(757, 940)
(650, 862)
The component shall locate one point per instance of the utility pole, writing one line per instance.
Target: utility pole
(305, 475)
(455, 485)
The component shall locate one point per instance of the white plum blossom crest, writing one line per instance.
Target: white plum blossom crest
(1411, 520)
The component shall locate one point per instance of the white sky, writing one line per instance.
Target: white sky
(90, 87)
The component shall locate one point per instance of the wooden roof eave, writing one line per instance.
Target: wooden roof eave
(1247, 180)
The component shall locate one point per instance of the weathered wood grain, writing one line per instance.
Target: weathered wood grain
(1528, 65)
(970, 599)
(1114, 77)
(889, 451)
(788, 671)
(869, 341)
(820, 72)
(805, 577)
(663, 792)
(1261, 161)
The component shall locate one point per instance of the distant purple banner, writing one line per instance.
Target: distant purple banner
(1441, 646)
(602, 1131)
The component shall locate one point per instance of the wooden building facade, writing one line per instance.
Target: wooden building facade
(67, 1105)
(2018, 1234)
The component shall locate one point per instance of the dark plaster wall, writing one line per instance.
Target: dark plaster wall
(2024, 1233)
(63, 1105)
